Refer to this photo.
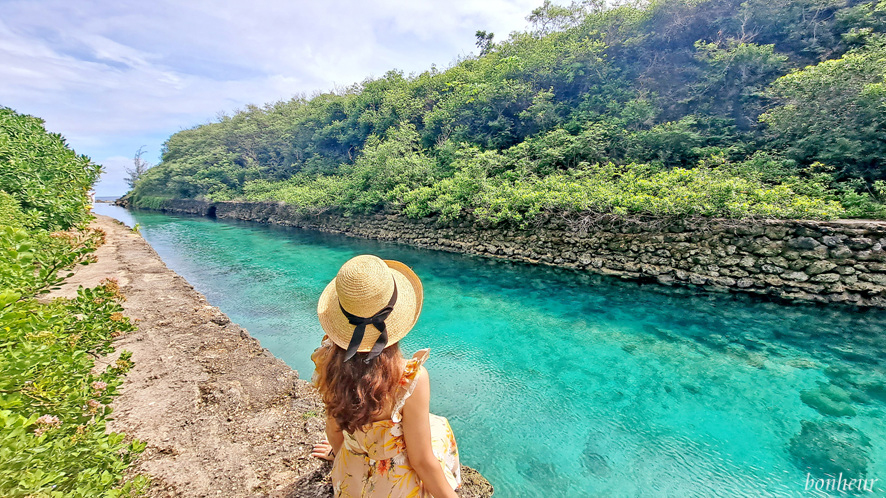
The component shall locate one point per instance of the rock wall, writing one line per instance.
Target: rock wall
(812, 261)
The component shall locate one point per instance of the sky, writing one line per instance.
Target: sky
(115, 75)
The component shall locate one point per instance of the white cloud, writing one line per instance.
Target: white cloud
(113, 74)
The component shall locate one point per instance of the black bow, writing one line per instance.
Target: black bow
(378, 321)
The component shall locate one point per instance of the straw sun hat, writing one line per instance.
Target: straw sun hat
(373, 298)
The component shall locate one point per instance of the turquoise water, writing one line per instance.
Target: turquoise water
(563, 384)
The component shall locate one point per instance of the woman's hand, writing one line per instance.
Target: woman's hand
(323, 451)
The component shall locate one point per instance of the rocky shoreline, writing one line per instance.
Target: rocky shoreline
(828, 262)
(221, 415)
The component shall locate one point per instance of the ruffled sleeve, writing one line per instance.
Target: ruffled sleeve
(407, 382)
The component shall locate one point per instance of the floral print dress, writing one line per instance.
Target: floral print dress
(374, 462)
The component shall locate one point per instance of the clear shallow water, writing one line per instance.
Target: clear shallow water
(562, 384)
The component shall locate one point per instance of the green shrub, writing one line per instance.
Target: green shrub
(11, 213)
(714, 188)
(862, 201)
(639, 190)
(307, 193)
(833, 112)
(53, 409)
(148, 201)
(31, 262)
(47, 179)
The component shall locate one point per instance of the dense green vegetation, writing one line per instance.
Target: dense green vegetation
(734, 108)
(53, 410)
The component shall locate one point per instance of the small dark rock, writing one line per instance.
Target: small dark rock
(803, 243)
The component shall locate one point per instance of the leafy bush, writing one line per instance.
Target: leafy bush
(634, 189)
(11, 213)
(861, 201)
(31, 262)
(307, 193)
(47, 179)
(835, 112)
(148, 201)
(451, 197)
(503, 187)
(53, 409)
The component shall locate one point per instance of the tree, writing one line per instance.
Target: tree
(835, 113)
(484, 41)
(734, 75)
(551, 17)
(139, 167)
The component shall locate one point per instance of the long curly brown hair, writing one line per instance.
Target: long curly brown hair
(356, 392)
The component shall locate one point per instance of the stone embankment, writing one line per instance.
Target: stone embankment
(221, 415)
(807, 261)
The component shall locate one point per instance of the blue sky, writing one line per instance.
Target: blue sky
(112, 76)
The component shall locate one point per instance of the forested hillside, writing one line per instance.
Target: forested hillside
(732, 108)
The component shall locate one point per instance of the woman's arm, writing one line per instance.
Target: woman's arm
(417, 436)
(333, 432)
(329, 447)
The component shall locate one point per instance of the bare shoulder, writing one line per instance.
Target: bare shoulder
(421, 391)
(422, 380)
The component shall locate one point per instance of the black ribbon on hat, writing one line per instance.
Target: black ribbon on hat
(378, 321)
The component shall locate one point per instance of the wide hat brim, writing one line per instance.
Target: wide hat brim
(410, 296)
